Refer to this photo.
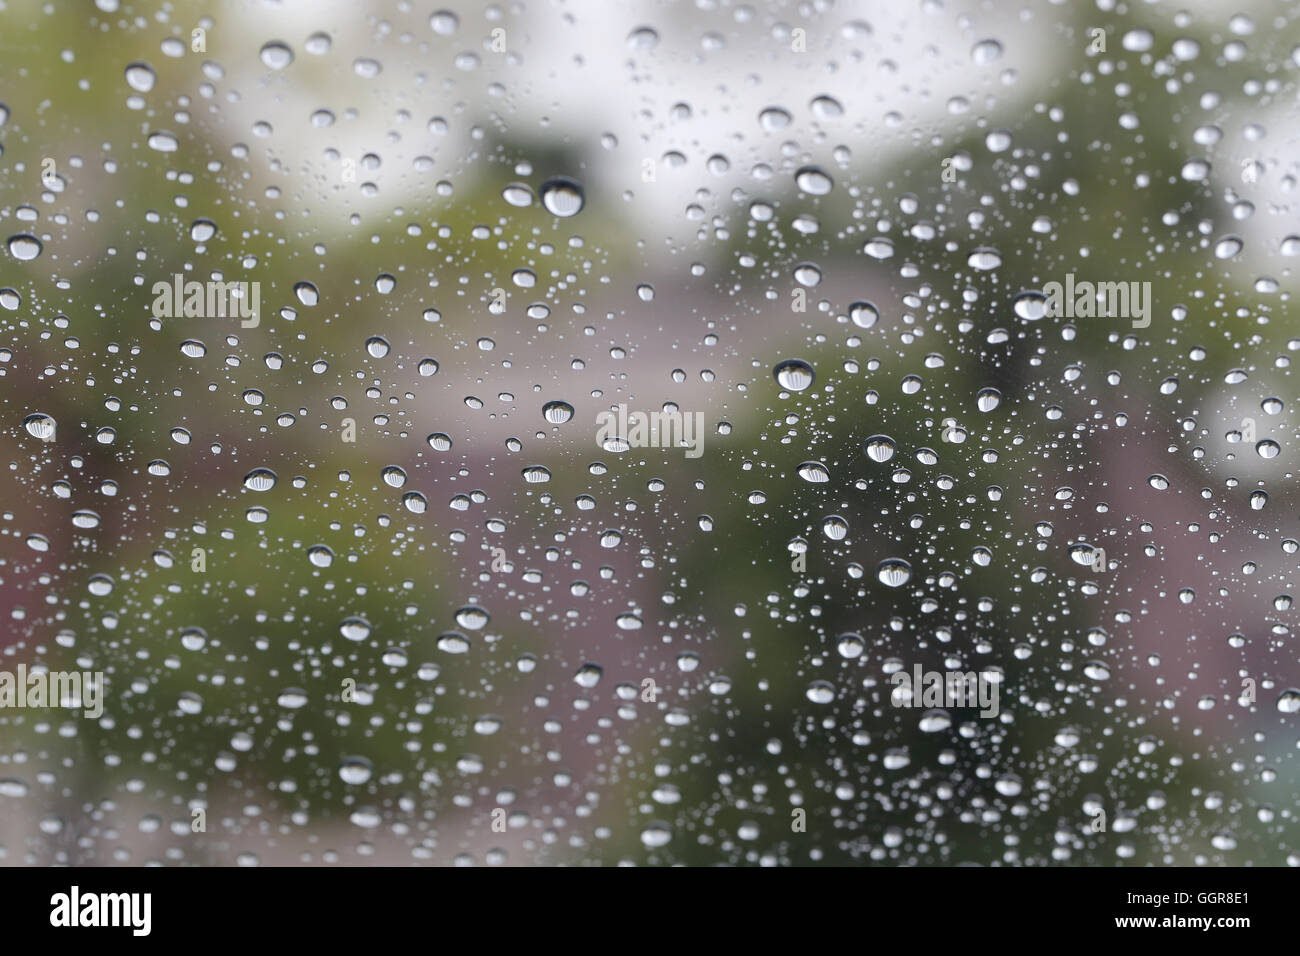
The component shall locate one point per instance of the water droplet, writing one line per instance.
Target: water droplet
(517, 194)
(1096, 670)
(563, 197)
(41, 426)
(292, 698)
(851, 645)
(863, 314)
(821, 692)
(879, 248)
(1009, 785)
(453, 642)
(276, 54)
(25, 247)
(1030, 306)
(355, 770)
(444, 23)
(642, 39)
(807, 275)
(894, 572)
(260, 479)
(879, 448)
(1227, 247)
(814, 471)
(163, 142)
(306, 292)
(656, 835)
(140, 77)
(1083, 554)
(814, 181)
(1138, 41)
(472, 617)
(201, 230)
(794, 375)
(835, 528)
(557, 413)
(986, 52)
(355, 628)
(826, 107)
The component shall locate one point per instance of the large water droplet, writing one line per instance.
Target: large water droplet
(814, 181)
(40, 425)
(894, 572)
(25, 247)
(863, 314)
(276, 54)
(563, 197)
(794, 375)
(163, 141)
(557, 413)
(814, 471)
(140, 77)
(879, 448)
(642, 38)
(260, 479)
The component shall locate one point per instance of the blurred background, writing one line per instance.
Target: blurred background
(446, 626)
